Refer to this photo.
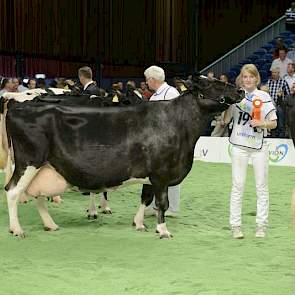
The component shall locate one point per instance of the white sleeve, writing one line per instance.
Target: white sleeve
(272, 115)
(273, 64)
(171, 93)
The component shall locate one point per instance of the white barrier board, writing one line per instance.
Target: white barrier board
(218, 150)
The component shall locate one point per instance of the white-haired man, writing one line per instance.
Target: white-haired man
(155, 79)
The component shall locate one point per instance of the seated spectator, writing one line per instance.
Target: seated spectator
(290, 77)
(224, 78)
(6, 86)
(21, 87)
(146, 93)
(32, 83)
(15, 84)
(279, 45)
(41, 83)
(281, 62)
(132, 90)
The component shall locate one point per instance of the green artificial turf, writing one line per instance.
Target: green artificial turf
(107, 255)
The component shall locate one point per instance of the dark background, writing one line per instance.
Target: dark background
(58, 36)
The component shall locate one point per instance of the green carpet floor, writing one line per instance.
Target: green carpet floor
(107, 255)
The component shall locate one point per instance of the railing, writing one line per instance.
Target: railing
(233, 57)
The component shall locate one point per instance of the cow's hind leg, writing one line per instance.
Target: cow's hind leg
(103, 205)
(147, 195)
(49, 224)
(162, 203)
(15, 188)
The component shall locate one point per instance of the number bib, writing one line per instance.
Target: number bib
(243, 134)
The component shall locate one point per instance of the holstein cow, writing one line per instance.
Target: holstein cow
(95, 149)
(64, 97)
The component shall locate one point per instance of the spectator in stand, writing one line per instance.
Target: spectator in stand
(85, 77)
(290, 101)
(281, 62)
(146, 93)
(210, 74)
(32, 84)
(278, 89)
(291, 53)
(6, 86)
(21, 87)
(41, 83)
(15, 84)
(290, 77)
(290, 18)
(279, 45)
(131, 90)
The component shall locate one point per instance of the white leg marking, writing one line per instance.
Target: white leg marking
(104, 205)
(92, 212)
(139, 218)
(13, 197)
(49, 224)
(163, 231)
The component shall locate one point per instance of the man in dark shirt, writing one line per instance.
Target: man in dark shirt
(85, 77)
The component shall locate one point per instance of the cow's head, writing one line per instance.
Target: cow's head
(214, 94)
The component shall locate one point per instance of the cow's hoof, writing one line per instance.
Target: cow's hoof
(17, 233)
(141, 227)
(166, 236)
(162, 230)
(52, 228)
(107, 211)
(94, 216)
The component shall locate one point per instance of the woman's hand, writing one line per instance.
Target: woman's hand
(258, 123)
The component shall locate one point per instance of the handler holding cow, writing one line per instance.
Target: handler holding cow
(252, 117)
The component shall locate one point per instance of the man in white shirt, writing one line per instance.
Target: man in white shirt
(290, 77)
(281, 62)
(155, 79)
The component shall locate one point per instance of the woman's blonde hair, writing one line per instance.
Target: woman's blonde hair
(250, 68)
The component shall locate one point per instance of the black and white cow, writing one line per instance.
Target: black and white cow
(64, 97)
(99, 148)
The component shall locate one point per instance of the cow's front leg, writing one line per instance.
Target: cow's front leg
(162, 204)
(103, 205)
(49, 224)
(92, 212)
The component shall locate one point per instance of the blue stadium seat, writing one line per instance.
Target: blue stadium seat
(260, 51)
(268, 57)
(285, 34)
(253, 57)
(288, 42)
(264, 75)
(269, 47)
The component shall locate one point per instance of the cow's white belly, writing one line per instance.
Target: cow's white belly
(48, 182)
(129, 182)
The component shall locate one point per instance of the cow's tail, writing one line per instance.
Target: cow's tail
(3, 143)
(8, 169)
